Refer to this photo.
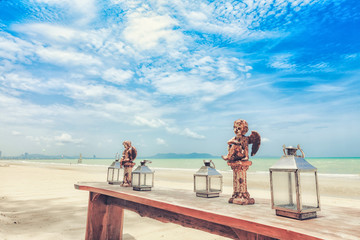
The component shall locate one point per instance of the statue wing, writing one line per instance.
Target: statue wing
(133, 153)
(255, 140)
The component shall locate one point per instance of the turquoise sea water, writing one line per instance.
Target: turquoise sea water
(324, 165)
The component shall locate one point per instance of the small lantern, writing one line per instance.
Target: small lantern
(142, 177)
(208, 181)
(113, 174)
(294, 186)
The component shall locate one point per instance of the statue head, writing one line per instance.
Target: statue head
(240, 127)
(127, 144)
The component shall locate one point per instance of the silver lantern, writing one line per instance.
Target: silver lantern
(208, 181)
(294, 186)
(113, 174)
(142, 177)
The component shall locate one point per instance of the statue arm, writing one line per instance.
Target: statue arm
(233, 141)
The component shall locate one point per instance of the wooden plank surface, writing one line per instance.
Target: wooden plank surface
(332, 222)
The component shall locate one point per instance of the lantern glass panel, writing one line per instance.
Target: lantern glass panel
(110, 174)
(142, 179)
(135, 179)
(148, 179)
(116, 175)
(284, 189)
(308, 190)
(200, 183)
(215, 184)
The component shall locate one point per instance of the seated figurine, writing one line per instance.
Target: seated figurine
(129, 154)
(238, 145)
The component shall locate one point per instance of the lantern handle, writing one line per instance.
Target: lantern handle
(302, 152)
(211, 162)
(284, 147)
(144, 162)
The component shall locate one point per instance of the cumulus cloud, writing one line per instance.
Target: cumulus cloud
(66, 138)
(210, 76)
(185, 132)
(282, 61)
(160, 141)
(153, 123)
(48, 31)
(66, 57)
(188, 84)
(146, 32)
(16, 133)
(326, 88)
(16, 81)
(14, 48)
(83, 11)
(117, 76)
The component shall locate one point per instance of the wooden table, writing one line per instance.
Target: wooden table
(214, 215)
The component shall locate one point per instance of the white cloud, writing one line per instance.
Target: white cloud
(352, 56)
(160, 141)
(66, 57)
(15, 49)
(117, 76)
(85, 91)
(189, 84)
(15, 81)
(84, 11)
(185, 132)
(48, 31)
(66, 138)
(231, 19)
(153, 123)
(326, 88)
(16, 133)
(282, 61)
(178, 84)
(147, 32)
(210, 76)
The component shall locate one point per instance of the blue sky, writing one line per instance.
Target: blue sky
(82, 76)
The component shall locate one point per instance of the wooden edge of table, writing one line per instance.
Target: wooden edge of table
(236, 223)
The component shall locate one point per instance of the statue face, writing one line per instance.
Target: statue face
(240, 127)
(127, 144)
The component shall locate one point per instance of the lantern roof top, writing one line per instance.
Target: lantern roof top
(291, 162)
(143, 169)
(207, 170)
(115, 164)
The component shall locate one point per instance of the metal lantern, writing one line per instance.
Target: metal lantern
(113, 174)
(208, 181)
(294, 186)
(142, 177)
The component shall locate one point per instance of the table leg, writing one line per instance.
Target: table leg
(104, 220)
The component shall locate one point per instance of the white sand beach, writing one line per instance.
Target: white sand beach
(38, 201)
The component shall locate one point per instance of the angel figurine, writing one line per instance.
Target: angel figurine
(238, 146)
(129, 154)
(126, 161)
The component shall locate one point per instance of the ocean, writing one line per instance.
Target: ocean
(343, 166)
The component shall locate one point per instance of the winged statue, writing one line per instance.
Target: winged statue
(238, 146)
